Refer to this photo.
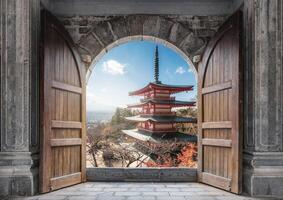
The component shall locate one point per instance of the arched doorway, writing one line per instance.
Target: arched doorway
(88, 48)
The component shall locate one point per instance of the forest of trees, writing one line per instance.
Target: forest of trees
(108, 146)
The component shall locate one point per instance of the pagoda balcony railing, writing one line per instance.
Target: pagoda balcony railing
(158, 113)
(165, 130)
(158, 98)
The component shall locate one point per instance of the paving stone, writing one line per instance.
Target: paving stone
(143, 189)
(142, 198)
(103, 185)
(127, 193)
(77, 198)
(235, 197)
(198, 197)
(170, 198)
(116, 189)
(112, 198)
(178, 185)
(179, 193)
(52, 197)
(168, 189)
(189, 189)
(92, 189)
(155, 193)
(27, 198)
(134, 185)
(82, 193)
(156, 186)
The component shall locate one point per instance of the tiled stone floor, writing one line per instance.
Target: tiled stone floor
(139, 191)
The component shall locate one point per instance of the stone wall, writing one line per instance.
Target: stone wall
(263, 133)
(19, 139)
(146, 7)
(162, 174)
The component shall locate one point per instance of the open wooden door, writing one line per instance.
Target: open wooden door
(219, 107)
(62, 109)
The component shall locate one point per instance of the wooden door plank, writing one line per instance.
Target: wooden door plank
(221, 182)
(217, 142)
(66, 87)
(237, 112)
(66, 124)
(45, 151)
(83, 132)
(64, 181)
(218, 87)
(216, 125)
(65, 142)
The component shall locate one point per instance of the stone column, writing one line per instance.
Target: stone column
(263, 133)
(19, 31)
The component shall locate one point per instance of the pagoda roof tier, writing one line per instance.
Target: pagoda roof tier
(173, 103)
(160, 86)
(159, 131)
(162, 119)
(149, 114)
(160, 137)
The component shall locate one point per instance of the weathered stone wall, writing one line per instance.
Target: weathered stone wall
(142, 174)
(19, 26)
(94, 34)
(263, 61)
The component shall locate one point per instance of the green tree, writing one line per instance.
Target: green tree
(116, 119)
(187, 112)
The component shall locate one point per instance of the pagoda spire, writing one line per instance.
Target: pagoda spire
(156, 66)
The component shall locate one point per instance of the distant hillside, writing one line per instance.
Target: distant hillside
(99, 116)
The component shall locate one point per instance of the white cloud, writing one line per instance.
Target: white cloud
(180, 70)
(104, 90)
(113, 67)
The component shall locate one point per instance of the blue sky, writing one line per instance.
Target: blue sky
(129, 67)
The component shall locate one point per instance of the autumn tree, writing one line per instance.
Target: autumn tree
(106, 138)
(172, 154)
(125, 154)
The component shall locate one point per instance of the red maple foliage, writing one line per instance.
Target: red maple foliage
(162, 161)
(186, 158)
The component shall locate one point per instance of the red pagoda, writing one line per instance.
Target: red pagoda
(156, 121)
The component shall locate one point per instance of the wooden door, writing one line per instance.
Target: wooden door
(219, 107)
(62, 109)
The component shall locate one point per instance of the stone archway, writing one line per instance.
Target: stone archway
(95, 35)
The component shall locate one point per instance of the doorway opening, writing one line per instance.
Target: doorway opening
(155, 128)
(63, 111)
